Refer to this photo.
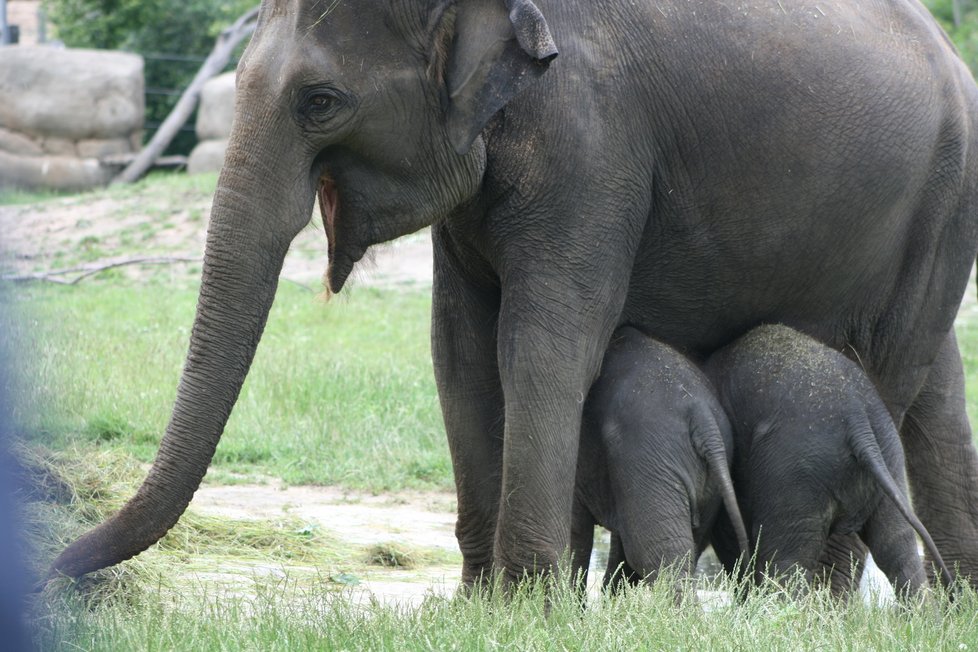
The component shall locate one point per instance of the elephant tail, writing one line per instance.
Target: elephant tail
(866, 447)
(708, 442)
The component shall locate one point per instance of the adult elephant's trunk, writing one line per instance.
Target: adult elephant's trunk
(248, 237)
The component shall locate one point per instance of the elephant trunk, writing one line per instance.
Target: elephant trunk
(242, 262)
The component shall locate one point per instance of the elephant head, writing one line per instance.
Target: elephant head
(376, 106)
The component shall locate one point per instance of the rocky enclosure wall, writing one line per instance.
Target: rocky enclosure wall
(61, 111)
(214, 116)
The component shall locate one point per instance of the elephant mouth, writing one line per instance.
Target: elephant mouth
(329, 204)
(342, 255)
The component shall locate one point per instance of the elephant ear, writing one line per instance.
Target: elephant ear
(499, 48)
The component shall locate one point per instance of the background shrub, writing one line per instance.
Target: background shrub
(965, 34)
(173, 28)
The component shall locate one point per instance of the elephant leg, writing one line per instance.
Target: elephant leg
(942, 463)
(618, 572)
(789, 530)
(893, 543)
(659, 534)
(841, 563)
(463, 347)
(552, 337)
(724, 542)
(675, 553)
(794, 546)
(582, 544)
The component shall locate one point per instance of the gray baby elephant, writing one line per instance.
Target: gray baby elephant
(653, 463)
(816, 453)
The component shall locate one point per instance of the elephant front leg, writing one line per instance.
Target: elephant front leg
(942, 464)
(463, 346)
(550, 347)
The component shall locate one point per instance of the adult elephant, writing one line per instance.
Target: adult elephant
(689, 167)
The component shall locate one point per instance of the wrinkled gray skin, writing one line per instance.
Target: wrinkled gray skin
(816, 453)
(690, 167)
(653, 463)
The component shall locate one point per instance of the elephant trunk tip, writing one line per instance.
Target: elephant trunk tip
(119, 538)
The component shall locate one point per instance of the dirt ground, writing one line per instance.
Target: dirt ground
(98, 229)
(408, 520)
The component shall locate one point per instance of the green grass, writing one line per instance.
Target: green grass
(14, 197)
(160, 187)
(340, 393)
(284, 615)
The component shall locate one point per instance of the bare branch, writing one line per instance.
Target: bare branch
(215, 63)
(85, 271)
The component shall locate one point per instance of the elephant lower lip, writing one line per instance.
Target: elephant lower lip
(329, 202)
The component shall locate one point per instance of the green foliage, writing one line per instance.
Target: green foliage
(965, 34)
(185, 28)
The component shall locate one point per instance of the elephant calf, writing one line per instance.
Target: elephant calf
(653, 463)
(816, 453)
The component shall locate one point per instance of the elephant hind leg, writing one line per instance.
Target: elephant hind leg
(841, 563)
(894, 546)
(619, 572)
(942, 463)
(789, 531)
(582, 545)
(780, 555)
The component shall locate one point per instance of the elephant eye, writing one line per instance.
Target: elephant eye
(320, 102)
(323, 107)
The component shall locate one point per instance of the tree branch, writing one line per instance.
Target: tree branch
(215, 63)
(85, 271)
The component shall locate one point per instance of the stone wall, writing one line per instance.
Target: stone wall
(61, 111)
(214, 115)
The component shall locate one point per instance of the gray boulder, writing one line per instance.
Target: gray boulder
(207, 156)
(216, 108)
(54, 172)
(14, 143)
(214, 115)
(61, 111)
(70, 94)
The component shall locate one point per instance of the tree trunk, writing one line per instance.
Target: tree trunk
(215, 63)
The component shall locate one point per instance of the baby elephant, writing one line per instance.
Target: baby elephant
(816, 452)
(654, 459)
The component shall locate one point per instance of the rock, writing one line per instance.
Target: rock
(207, 156)
(59, 147)
(62, 110)
(71, 94)
(54, 172)
(15, 143)
(216, 109)
(103, 148)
